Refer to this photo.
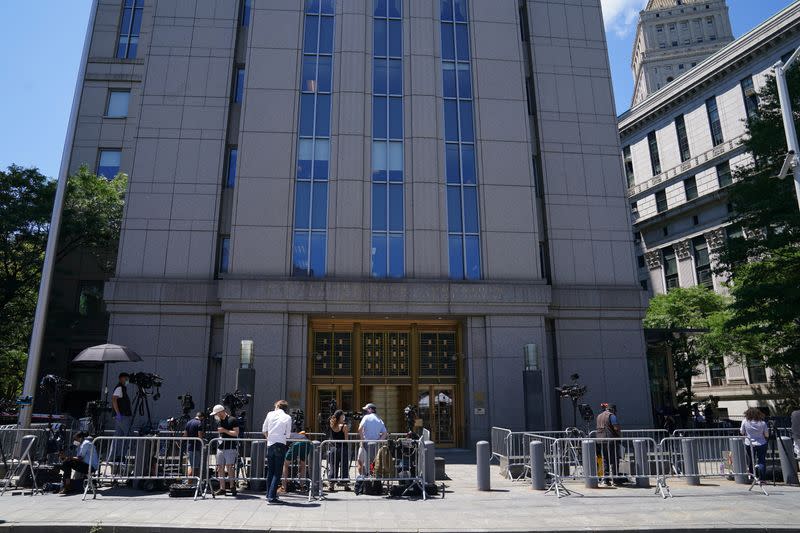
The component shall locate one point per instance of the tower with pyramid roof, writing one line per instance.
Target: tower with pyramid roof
(673, 36)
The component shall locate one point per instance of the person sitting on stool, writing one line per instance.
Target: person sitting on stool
(85, 461)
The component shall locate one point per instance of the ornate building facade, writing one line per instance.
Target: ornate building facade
(672, 37)
(680, 148)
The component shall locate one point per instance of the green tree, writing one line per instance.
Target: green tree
(762, 263)
(91, 220)
(692, 308)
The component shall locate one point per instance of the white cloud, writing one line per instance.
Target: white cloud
(621, 15)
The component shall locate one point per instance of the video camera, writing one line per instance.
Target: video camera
(187, 403)
(52, 383)
(235, 400)
(147, 381)
(573, 391)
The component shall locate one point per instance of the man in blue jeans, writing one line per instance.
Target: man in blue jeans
(277, 428)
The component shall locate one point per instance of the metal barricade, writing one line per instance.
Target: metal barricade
(343, 461)
(617, 461)
(696, 458)
(498, 442)
(152, 460)
(252, 459)
(548, 439)
(706, 432)
(19, 463)
(11, 442)
(656, 434)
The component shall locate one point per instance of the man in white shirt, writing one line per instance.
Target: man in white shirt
(371, 429)
(277, 428)
(85, 461)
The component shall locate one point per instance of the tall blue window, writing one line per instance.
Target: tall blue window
(238, 86)
(387, 250)
(230, 171)
(129, 28)
(245, 16)
(309, 243)
(459, 136)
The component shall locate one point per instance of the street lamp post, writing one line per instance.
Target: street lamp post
(788, 119)
(39, 320)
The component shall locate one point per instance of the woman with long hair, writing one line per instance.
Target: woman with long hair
(338, 457)
(756, 433)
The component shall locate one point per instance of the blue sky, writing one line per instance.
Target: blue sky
(42, 42)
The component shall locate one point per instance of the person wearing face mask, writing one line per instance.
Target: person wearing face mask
(227, 452)
(121, 403)
(85, 461)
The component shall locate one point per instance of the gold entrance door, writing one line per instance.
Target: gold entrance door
(436, 407)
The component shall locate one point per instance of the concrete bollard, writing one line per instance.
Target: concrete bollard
(690, 461)
(430, 461)
(788, 462)
(739, 460)
(258, 453)
(537, 466)
(590, 463)
(483, 453)
(642, 461)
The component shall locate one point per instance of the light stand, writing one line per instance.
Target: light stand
(788, 121)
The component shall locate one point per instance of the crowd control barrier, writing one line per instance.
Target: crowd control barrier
(611, 461)
(20, 461)
(149, 460)
(396, 463)
(300, 465)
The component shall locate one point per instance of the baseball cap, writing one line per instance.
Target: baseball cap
(217, 410)
(370, 406)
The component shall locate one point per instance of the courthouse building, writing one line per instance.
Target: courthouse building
(391, 198)
(681, 146)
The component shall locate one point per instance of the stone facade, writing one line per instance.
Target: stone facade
(672, 37)
(681, 213)
(556, 253)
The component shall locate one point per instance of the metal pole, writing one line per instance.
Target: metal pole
(788, 462)
(739, 456)
(37, 335)
(788, 120)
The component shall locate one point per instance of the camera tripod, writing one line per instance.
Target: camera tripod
(141, 406)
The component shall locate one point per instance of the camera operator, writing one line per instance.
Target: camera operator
(371, 429)
(227, 452)
(85, 460)
(277, 429)
(194, 451)
(121, 403)
(608, 428)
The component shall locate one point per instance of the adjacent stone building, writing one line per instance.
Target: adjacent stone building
(391, 198)
(681, 146)
(672, 37)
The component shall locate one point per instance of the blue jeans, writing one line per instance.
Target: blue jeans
(276, 455)
(761, 460)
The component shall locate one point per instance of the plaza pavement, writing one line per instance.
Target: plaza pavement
(718, 505)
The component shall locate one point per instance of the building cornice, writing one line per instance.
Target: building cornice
(764, 37)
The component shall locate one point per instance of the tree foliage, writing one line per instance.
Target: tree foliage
(91, 221)
(763, 263)
(689, 313)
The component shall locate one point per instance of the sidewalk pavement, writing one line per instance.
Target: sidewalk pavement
(718, 505)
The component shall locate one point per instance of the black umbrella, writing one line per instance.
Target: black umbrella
(107, 353)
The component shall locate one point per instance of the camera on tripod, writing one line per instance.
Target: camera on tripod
(235, 400)
(573, 391)
(187, 403)
(52, 384)
(147, 381)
